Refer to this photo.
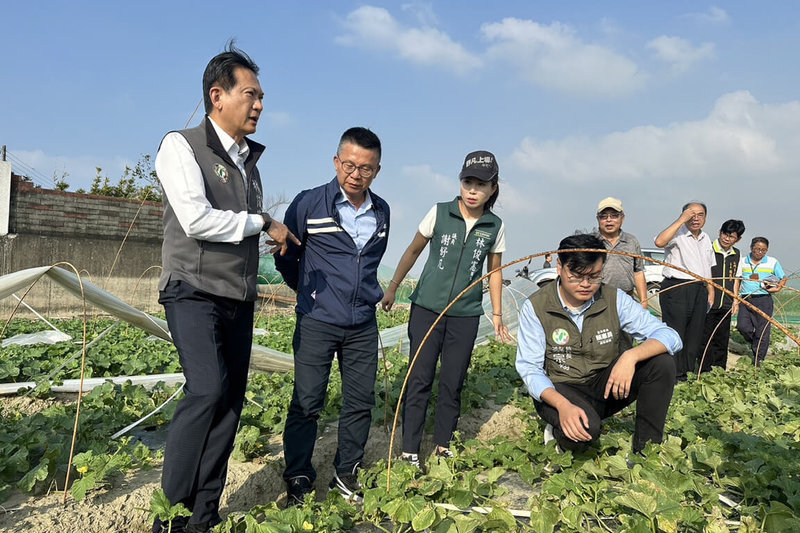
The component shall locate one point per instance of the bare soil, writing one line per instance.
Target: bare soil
(121, 507)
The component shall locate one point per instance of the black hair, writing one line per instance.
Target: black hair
(693, 202)
(733, 226)
(362, 137)
(493, 198)
(757, 240)
(580, 262)
(221, 69)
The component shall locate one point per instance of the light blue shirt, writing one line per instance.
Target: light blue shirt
(768, 266)
(531, 343)
(360, 223)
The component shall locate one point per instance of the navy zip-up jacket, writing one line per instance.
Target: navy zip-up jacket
(335, 283)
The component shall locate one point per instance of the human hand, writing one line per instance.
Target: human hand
(735, 308)
(619, 382)
(500, 329)
(574, 422)
(690, 212)
(389, 296)
(645, 302)
(280, 237)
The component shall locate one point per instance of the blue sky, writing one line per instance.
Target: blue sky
(654, 103)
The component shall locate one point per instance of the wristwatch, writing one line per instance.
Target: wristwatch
(267, 220)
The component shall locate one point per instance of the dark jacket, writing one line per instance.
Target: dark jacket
(220, 268)
(335, 283)
(724, 273)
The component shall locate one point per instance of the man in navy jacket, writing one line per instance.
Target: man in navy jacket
(344, 228)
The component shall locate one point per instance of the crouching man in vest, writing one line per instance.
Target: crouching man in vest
(568, 353)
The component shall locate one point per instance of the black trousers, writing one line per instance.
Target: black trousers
(755, 329)
(684, 310)
(717, 352)
(356, 349)
(214, 338)
(651, 389)
(453, 339)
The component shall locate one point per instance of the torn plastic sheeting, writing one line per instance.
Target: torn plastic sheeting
(40, 337)
(72, 385)
(263, 358)
(514, 295)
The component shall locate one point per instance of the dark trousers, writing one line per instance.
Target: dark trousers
(717, 330)
(755, 329)
(356, 349)
(684, 310)
(213, 336)
(651, 389)
(454, 339)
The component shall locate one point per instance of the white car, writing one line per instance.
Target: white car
(652, 271)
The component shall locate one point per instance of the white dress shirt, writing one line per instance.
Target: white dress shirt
(182, 182)
(694, 255)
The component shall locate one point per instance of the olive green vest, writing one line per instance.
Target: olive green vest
(455, 259)
(573, 356)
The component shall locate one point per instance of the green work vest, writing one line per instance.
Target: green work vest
(573, 356)
(455, 259)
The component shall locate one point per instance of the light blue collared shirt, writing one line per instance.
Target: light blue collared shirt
(531, 344)
(360, 223)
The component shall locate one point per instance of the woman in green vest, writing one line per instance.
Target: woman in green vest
(463, 234)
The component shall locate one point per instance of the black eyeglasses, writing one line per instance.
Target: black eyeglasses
(365, 171)
(612, 216)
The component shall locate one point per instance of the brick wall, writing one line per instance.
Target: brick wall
(53, 213)
(47, 226)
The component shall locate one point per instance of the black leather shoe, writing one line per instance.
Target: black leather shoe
(296, 490)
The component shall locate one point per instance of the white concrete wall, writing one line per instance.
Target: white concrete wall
(5, 196)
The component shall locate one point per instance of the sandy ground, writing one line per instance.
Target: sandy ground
(121, 507)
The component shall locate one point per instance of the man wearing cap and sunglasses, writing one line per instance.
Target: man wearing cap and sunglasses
(622, 272)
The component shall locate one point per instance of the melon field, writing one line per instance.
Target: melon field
(729, 461)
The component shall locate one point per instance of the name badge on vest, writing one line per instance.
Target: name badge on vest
(222, 173)
(604, 336)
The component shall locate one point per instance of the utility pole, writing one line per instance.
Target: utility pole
(3, 153)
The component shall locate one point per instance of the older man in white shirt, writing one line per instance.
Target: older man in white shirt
(685, 300)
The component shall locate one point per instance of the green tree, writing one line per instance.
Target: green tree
(60, 182)
(139, 182)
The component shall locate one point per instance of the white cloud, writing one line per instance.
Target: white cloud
(555, 57)
(426, 177)
(741, 138)
(374, 28)
(277, 118)
(741, 159)
(679, 52)
(713, 15)
(423, 12)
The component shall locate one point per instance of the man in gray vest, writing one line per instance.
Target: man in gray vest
(212, 221)
(568, 353)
